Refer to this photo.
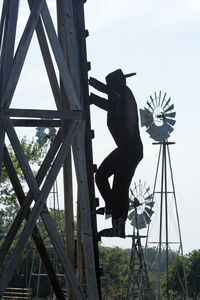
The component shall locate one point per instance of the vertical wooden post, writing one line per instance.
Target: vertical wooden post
(65, 25)
(82, 34)
(9, 21)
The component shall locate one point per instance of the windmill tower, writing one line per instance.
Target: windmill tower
(140, 212)
(63, 51)
(159, 119)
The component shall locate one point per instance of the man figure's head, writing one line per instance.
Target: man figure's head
(117, 80)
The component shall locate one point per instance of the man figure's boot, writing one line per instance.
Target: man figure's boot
(118, 229)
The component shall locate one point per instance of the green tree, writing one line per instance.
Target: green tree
(115, 264)
(34, 153)
(9, 205)
(176, 276)
(176, 283)
(193, 274)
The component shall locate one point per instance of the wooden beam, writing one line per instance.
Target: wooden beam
(82, 33)
(79, 243)
(71, 59)
(9, 14)
(71, 41)
(2, 138)
(21, 52)
(3, 17)
(61, 63)
(28, 174)
(45, 114)
(35, 123)
(47, 59)
(7, 51)
(87, 234)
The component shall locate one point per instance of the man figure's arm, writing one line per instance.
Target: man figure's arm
(99, 101)
(98, 85)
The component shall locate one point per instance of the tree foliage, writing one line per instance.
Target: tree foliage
(191, 262)
(9, 204)
(34, 153)
(115, 264)
(193, 274)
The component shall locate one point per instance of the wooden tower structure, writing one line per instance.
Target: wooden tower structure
(63, 49)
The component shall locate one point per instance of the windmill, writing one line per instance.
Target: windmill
(159, 119)
(140, 213)
(140, 206)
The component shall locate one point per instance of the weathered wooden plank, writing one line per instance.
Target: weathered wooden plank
(47, 59)
(82, 34)
(67, 166)
(2, 138)
(41, 113)
(2, 21)
(8, 45)
(68, 35)
(30, 179)
(35, 123)
(59, 57)
(87, 234)
(35, 234)
(21, 52)
(69, 214)
(8, 22)
(79, 243)
(37, 209)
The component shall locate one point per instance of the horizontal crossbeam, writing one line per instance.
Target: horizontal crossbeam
(45, 114)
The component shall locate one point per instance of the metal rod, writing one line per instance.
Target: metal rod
(166, 222)
(156, 176)
(178, 222)
(161, 215)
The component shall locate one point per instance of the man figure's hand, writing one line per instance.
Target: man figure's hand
(93, 82)
(98, 85)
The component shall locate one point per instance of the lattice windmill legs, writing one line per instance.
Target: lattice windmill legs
(139, 285)
(69, 116)
(166, 176)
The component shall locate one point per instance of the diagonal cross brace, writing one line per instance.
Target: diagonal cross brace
(35, 234)
(9, 85)
(60, 59)
(29, 198)
(21, 53)
(37, 209)
(8, 43)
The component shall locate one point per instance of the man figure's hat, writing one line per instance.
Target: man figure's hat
(129, 75)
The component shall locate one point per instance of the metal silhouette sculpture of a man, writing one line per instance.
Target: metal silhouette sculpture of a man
(122, 122)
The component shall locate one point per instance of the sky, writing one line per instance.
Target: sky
(159, 40)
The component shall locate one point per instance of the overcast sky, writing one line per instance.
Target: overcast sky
(158, 39)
